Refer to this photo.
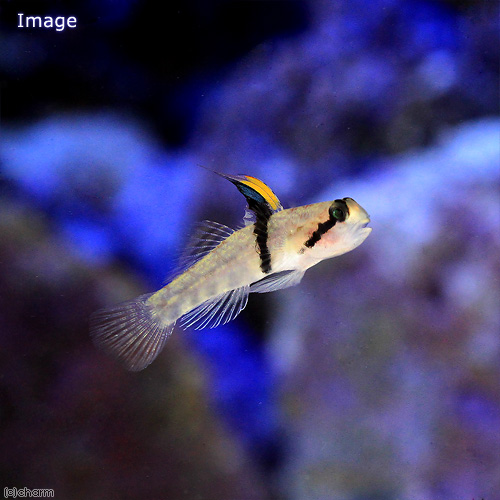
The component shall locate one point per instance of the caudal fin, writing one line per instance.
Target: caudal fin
(131, 332)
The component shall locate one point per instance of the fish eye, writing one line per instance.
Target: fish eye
(337, 213)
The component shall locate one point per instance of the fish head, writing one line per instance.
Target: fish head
(345, 229)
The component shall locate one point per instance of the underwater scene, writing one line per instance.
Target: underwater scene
(375, 378)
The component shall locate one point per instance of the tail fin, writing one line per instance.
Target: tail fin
(131, 332)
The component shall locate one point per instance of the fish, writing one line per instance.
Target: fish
(272, 251)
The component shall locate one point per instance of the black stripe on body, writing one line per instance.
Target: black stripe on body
(263, 214)
(323, 227)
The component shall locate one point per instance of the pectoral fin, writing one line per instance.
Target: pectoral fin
(277, 281)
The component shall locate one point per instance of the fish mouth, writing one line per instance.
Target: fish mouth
(365, 222)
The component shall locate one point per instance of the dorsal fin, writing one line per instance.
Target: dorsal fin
(263, 203)
(207, 236)
(260, 197)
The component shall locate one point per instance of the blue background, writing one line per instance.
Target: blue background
(377, 377)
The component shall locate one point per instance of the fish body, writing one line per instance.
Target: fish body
(271, 252)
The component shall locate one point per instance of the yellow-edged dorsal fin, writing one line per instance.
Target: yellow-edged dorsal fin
(259, 195)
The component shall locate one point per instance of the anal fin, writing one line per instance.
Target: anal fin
(218, 310)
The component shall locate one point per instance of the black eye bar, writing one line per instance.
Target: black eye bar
(323, 227)
(343, 204)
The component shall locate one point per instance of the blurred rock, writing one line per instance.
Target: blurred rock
(367, 80)
(74, 420)
(390, 360)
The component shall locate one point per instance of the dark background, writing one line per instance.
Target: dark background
(377, 377)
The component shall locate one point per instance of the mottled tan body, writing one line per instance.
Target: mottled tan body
(235, 262)
(232, 264)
